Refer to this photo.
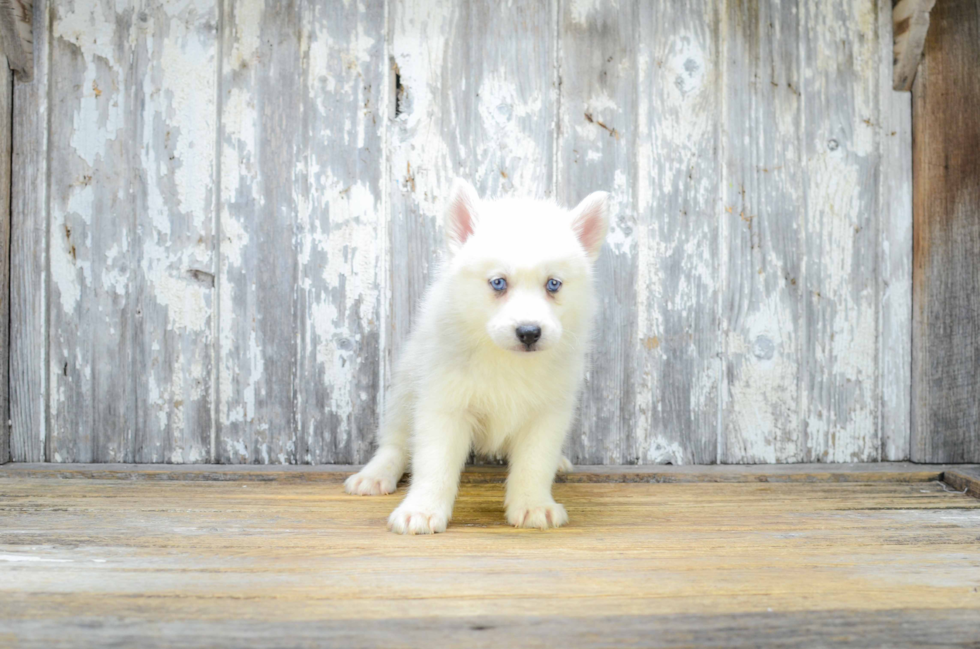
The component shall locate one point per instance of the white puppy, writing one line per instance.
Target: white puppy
(496, 359)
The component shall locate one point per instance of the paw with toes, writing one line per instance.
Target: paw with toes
(368, 483)
(540, 516)
(414, 519)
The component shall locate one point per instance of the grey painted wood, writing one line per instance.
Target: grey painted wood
(895, 254)
(244, 199)
(946, 275)
(130, 238)
(838, 233)
(260, 120)
(342, 300)
(677, 192)
(301, 277)
(760, 234)
(599, 139)
(6, 121)
(92, 313)
(28, 255)
(173, 280)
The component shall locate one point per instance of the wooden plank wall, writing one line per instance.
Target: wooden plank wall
(241, 211)
(946, 297)
(6, 121)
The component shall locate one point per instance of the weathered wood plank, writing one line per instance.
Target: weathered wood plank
(946, 275)
(92, 237)
(130, 238)
(844, 629)
(838, 234)
(910, 23)
(28, 255)
(6, 121)
(16, 37)
(894, 254)
(675, 345)
(475, 95)
(761, 256)
(173, 282)
(301, 285)
(598, 47)
(259, 131)
(341, 300)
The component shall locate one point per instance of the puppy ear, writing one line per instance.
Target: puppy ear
(460, 216)
(590, 222)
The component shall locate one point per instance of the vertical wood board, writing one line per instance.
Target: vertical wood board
(677, 196)
(341, 304)
(838, 233)
(946, 272)
(92, 236)
(174, 281)
(894, 290)
(760, 250)
(598, 128)
(130, 243)
(28, 254)
(6, 121)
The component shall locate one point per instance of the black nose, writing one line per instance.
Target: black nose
(528, 334)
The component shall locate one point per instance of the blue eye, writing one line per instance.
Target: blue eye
(553, 285)
(498, 284)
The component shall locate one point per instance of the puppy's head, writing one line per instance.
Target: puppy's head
(522, 269)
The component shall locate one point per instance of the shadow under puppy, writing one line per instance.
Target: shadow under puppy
(496, 360)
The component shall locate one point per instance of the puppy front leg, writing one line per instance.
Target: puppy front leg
(441, 443)
(534, 457)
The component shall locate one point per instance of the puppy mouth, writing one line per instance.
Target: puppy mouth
(526, 349)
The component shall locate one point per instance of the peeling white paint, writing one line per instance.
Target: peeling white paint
(762, 408)
(662, 451)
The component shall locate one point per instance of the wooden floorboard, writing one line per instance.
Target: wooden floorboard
(287, 563)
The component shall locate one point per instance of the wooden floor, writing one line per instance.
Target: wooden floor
(286, 559)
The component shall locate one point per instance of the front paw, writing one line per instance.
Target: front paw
(540, 516)
(417, 518)
(371, 482)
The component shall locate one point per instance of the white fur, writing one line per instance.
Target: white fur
(466, 382)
